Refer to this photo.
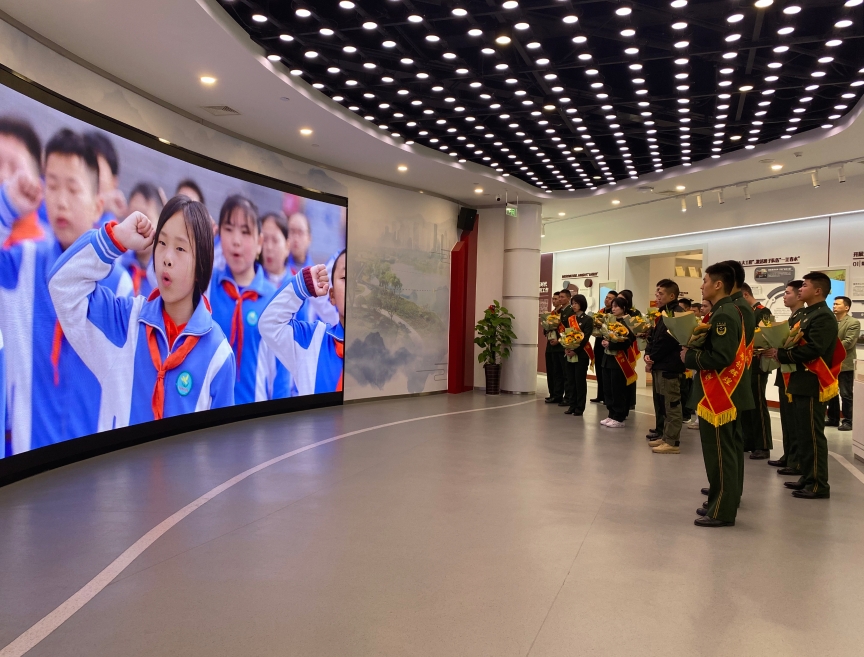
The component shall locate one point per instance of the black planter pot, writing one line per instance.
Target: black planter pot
(493, 379)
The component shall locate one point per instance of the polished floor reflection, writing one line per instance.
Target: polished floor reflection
(513, 531)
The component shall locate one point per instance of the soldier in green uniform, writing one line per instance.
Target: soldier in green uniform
(809, 395)
(750, 330)
(788, 463)
(756, 424)
(554, 371)
(720, 362)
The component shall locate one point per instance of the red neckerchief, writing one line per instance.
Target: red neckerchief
(236, 339)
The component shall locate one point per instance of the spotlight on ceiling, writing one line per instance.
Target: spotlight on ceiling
(720, 196)
(684, 204)
(814, 177)
(746, 192)
(841, 174)
(699, 201)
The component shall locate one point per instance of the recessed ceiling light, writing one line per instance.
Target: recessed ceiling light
(542, 61)
(388, 44)
(475, 32)
(368, 65)
(733, 55)
(449, 55)
(414, 18)
(326, 31)
(682, 44)
(570, 19)
(579, 39)
(274, 57)
(631, 51)
(286, 37)
(843, 23)
(629, 32)
(624, 11)
(261, 18)
(761, 4)
(208, 79)
(746, 87)
(370, 25)
(311, 54)
(346, 4)
(510, 4)
(306, 131)
(794, 9)
(614, 201)
(521, 26)
(433, 38)
(349, 49)
(679, 25)
(833, 43)
(458, 11)
(786, 30)
(478, 190)
(677, 4)
(502, 40)
(533, 45)
(733, 37)
(402, 167)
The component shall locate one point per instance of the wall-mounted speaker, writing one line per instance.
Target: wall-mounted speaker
(466, 219)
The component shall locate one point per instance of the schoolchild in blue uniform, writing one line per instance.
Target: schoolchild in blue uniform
(2, 396)
(314, 352)
(188, 187)
(239, 293)
(145, 198)
(53, 396)
(155, 357)
(20, 173)
(274, 248)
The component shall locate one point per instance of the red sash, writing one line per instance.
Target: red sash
(626, 366)
(590, 351)
(716, 406)
(827, 376)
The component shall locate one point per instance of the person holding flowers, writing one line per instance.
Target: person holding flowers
(598, 347)
(757, 423)
(662, 356)
(719, 395)
(817, 355)
(554, 371)
(619, 372)
(577, 349)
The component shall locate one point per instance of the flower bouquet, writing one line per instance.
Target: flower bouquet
(770, 334)
(570, 340)
(639, 325)
(614, 331)
(599, 321)
(681, 326)
(550, 323)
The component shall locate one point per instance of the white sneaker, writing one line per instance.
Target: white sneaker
(693, 423)
(614, 424)
(606, 421)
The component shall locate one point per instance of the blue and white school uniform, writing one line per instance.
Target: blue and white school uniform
(260, 376)
(312, 351)
(111, 333)
(143, 278)
(52, 396)
(2, 395)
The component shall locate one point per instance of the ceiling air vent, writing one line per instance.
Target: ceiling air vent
(221, 110)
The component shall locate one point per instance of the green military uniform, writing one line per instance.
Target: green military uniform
(721, 446)
(756, 424)
(790, 458)
(819, 331)
(746, 380)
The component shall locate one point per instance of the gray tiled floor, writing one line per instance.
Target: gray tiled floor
(517, 531)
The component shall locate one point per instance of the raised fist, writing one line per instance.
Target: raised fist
(25, 192)
(320, 280)
(135, 232)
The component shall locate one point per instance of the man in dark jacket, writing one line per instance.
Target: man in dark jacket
(554, 370)
(756, 424)
(566, 312)
(663, 356)
(598, 349)
(814, 353)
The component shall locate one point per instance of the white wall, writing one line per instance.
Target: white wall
(368, 203)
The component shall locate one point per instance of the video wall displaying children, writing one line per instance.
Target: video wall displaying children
(135, 286)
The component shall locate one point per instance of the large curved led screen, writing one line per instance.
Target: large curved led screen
(136, 285)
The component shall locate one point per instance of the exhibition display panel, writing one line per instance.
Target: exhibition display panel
(147, 290)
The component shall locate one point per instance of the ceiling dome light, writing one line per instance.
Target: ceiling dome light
(406, 60)
(274, 57)
(733, 37)
(510, 4)
(414, 18)
(746, 87)
(843, 23)
(311, 54)
(369, 65)
(682, 44)
(261, 18)
(631, 51)
(762, 4)
(521, 26)
(629, 32)
(286, 37)
(475, 32)
(786, 30)
(533, 45)
(624, 11)
(791, 10)
(573, 19)
(458, 11)
(326, 31)
(542, 61)
(433, 38)
(449, 55)
(346, 4)
(679, 25)
(370, 25)
(833, 43)
(735, 18)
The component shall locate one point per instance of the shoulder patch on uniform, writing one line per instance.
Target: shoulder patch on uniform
(720, 328)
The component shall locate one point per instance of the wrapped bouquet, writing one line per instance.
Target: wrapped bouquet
(639, 325)
(687, 329)
(614, 331)
(599, 321)
(770, 334)
(550, 321)
(570, 340)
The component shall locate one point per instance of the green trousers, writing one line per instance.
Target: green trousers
(756, 423)
(722, 452)
(808, 415)
(790, 440)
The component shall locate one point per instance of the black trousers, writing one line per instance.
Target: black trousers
(756, 423)
(567, 371)
(686, 389)
(555, 374)
(616, 393)
(578, 376)
(599, 371)
(845, 380)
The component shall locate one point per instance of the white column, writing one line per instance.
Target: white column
(521, 296)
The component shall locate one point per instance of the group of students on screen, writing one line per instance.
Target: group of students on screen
(158, 314)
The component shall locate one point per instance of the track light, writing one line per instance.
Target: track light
(720, 196)
(746, 192)
(814, 176)
(542, 229)
(841, 175)
(699, 201)
(683, 204)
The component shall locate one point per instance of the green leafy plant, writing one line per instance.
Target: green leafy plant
(494, 334)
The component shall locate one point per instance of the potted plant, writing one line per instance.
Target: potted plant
(494, 335)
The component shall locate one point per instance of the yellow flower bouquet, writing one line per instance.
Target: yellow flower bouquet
(571, 340)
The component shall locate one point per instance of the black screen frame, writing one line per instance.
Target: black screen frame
(19, 466)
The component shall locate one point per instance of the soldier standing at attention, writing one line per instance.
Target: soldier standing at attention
(568, 374)
(719, 395)
(788, 463)
(749, 331)
(756, 424)
(554, 371)
(817, 357)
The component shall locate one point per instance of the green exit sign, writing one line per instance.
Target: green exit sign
(510, 210)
